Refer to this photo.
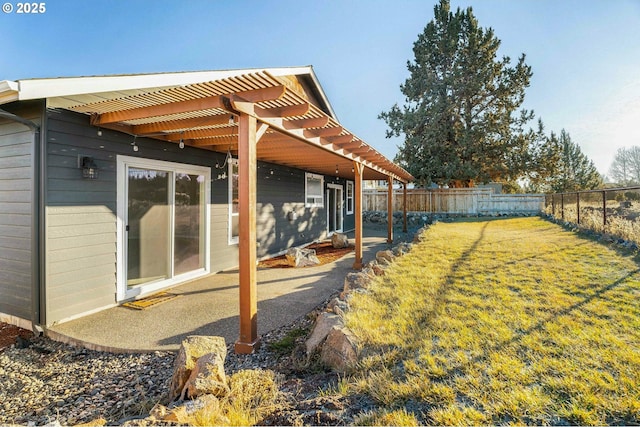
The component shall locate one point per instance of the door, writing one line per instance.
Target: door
(334, 208)
(162, 224)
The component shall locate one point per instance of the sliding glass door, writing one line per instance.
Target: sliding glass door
(163, 226)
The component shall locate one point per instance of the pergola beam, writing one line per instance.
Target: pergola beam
(203, 133)
(177, 125)
(316, 122)
(170, 108)
(189, 106)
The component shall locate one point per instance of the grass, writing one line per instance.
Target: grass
(288, 342)
(501, 322)
(253, 395)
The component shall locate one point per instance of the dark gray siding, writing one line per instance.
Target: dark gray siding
(279, 193)
(16, 203)
(81, 214)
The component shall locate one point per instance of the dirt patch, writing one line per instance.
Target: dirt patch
(325, 252)
(10, 333)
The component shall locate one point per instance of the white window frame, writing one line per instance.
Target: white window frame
(318, 199)
(122, 169)
(233, 240)
(349, 199)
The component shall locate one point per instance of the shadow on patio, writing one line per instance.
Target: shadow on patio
(209, 306)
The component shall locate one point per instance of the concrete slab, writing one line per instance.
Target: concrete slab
(209, 306)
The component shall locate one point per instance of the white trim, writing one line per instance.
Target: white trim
(231, 240)
(16, 321)
(9, 91)
(122, 165)
(346, 197)
(339, 208)
(320, 196)
(69, 86)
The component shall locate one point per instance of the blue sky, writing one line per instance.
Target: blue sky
(585, 55)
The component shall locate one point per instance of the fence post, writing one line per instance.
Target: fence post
(553, 205)
(578, 206)
(562, 204)
(604, 208)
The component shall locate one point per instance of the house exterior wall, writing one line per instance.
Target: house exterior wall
(81, 214)
(17, 166)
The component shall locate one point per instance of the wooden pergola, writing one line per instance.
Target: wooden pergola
(257, 116)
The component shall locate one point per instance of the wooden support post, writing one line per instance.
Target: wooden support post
(404, 207)
(358, 168)
(389, 210)
(247, 173)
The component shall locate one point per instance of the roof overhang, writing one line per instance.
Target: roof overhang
(201, 109)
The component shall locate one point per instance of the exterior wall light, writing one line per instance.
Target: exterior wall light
(89, 168)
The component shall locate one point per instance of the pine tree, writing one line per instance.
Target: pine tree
(461, 120)
(575, 170)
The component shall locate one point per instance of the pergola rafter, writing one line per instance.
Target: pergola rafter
(261, 118)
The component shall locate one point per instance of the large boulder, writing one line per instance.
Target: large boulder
(340, 349)
(299, 257)
(339, 241)
(324, 323)
(207, 377)
(193, 348)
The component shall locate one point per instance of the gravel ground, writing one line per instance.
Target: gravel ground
(43, 381)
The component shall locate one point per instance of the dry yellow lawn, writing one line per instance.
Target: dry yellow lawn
(498, 322)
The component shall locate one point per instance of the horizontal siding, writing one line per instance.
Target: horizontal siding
(16, 208)
(82, 214)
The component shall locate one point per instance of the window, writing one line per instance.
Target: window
(234, 211)
(163, 224)
(349, 197)
(313, 191)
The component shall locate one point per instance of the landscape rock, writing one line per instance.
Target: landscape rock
(354, 281)
(183, 413)
(338, 306)
(340, 349)
(402, 249)
(299, 257)
(375, 268)
(385, 257)
(193, 348)
(324, 323)
(339, 241)
(207, 377)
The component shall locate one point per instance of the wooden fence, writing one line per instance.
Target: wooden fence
(462, 201)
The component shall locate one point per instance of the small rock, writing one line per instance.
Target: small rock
(299, 257)
(354, 281)
(339, 240)
(385, 257)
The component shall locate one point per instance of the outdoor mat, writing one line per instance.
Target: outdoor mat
(150, 301)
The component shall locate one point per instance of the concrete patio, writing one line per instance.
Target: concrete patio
(209, 306)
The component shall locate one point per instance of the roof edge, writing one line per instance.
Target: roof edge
(9, 91)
